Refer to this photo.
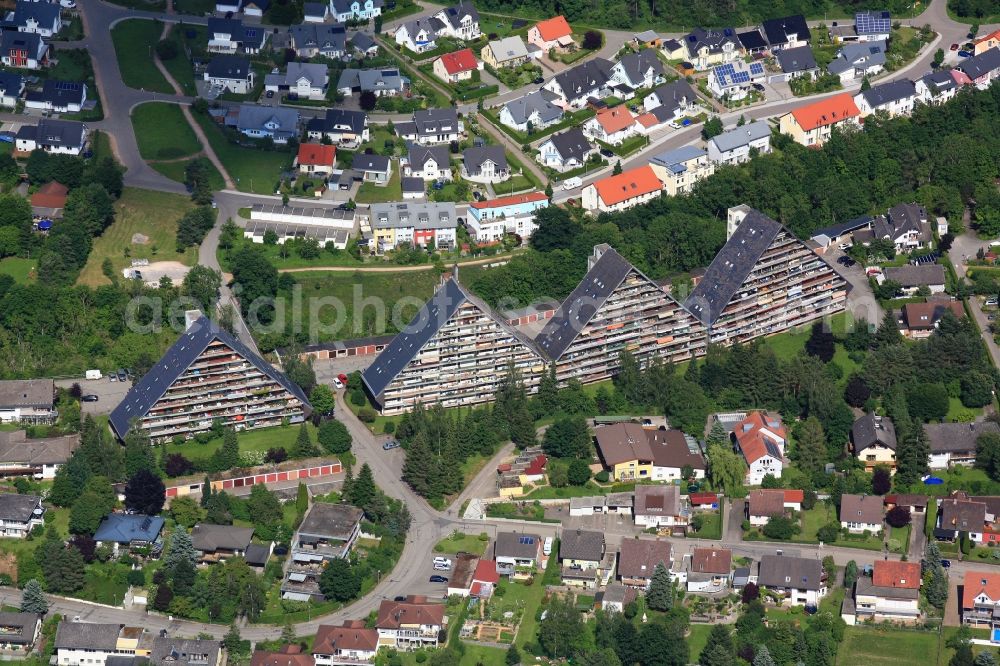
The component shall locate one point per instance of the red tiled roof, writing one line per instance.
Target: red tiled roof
(923, 316)
(628, 185)
(766, 502)
(751, 439)
(993, 35)
(352, 635)
(979, 582)
(416, 610)
(615, 119)
(554, 28)
(712, 560)
(648, 120)
(793, 496)
(902, 575)
(50, 195)
(459, 61)
(317, 153)
(703, 498)
(288, 656)
(486, 571)
(826, 112)
(509, 201)
(537, 465)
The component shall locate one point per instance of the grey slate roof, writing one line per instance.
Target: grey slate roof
(777, 30)
(339, 118)
(455, 14)
(59, 93)
(433, 121)
(15, 447)
(508, 48)
(713, 39)
(870, 430)
(886, 93)
(798, 59)
(11, 83)
(419, 155)
(385, 78)
(866, 586)
(44, 13)
(335, 521)
(835, 230)
(326, 38)
(87, 635)
(30, 42)
(315, 73)
(675, 93)
(363, 41)
(25, 624)
(256, 117)
(571, 143)
(850, 55)
(27, 393)
(752, 40)
(474, 157)
(982, 64)
(344, 6)
(182, 354)
(731, 266)
(915, 276)
(674, 160)
(522, 108)
(413, 184)
(581, 545)
(957, 437)
(224, 66)
(210, 538)
(939, 79)
(248, 36)
(376, 163)
(517, 545)
(257, 554)
(54, 133)
(129, 527)
(171, 651)
(783, 571)
(584, 78)
(741, 136)
(635, 65)
(19, 508)
(318, 9)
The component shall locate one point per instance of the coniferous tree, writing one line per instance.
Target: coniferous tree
(33, 599)
(304, 447)
(139, 454)
(363, 490)
(70, 481)
(888, 331)
(719, 650)
(911, 456)
(762, 657)
(228, 455)
(419, 466)
(660, 595)
(548, 391)
(206, 491)
(181, 549)
(522, 429)
(810, 449)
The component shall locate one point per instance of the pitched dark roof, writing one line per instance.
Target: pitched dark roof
(836, 230)
(868, 509)
(886, 93)
(517, 545)
(418, 156)
(581, 545)
(957, 437)
(87, 635)
(210, 538)
(982, 64)
(44, 13)
(229, 67)
(475, 156)
(783, 571)
(571, 143)
(752, 40)
(732, 266)
(914, 276)
(637, 558)
(776, 30)
(963, 515)
(18, 508)
(11, 82)
(339, 118)
(26, 41)
(713, 39)
(365, 162)
(54, 132)
(584, 78)
(635, 65)
(799, 59)
(871, 429)
(128, 527)
(940, 79)
(59, 93)
(143, 395)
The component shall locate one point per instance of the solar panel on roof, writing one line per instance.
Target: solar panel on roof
(756, 68)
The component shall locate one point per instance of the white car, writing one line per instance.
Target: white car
(337, 384)
(67, 4)
(442, 563)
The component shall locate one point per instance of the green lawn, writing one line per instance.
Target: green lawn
(174, 170)
(255, 170)
(261, 439)
(957, 412)
(152, 214)
(697, 638)
(188, 38)
(134, 41)
(18, 268)
(293, 260)
(711, 528)
(531, 598)
(873, 647)
(162, 132)
(392, 191)
(465, 543)
(813, 519)
(900, 535)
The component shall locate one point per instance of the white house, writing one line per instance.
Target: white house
(937, 87)
(346, 645)
(431, 127)
(862, 513)
(354, 10)
(566, 151)
(799, 581)
(612, 126)
(761, 438)
(642, 69)
(459, 22)
(627, 189)
(485, 164)
(409, 625)
(855, 61)
(428, 163)
(765, 503)
(734, 146)
(40, 18)
(230, 73)
(53, 136)
(301, 79)
(491, 220)
(660, 506)
(417, 35)
(895, 98)
(19, 514)
(534, 111)
(518, 555)
(574, 87)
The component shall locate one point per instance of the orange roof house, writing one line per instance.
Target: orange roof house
(984, 44)
(980, 584)
(899, 575)
(615, 119)
(512, 200)
(459, 61)
(755, 432)
(633, 184)
(51, 195)
(826, 112)
(551, 33)
(316, 155)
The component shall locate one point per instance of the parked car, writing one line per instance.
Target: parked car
(270, 94)
(438, 579)
(442, 561)
(343, 378)
(946, 564)
(607, 152)
(337, 384)
(391, 444)
(121, 374)
(399, 598)
(964, 54)
(758, 87)
(990, 301)
(954, 47)
(90, 397)
(67, 4)
(539, 80)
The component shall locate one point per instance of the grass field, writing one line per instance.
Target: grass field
(251, 440)
(887, 648)
(697, 638)
(153, 214)
(190, 38)
(175, 171)
(392, 191)
(365, 303)
(18, 268)
(134, 41)
(254, 170)
(465, 543)
(162, 132)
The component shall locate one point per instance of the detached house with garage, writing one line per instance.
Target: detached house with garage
(736, 145)
(553, 33)
(761, 438)
(355, 10)
(671, 101)
(581, 553)
(764, 504)
(40, 18)
(856, 61)
(661, 507)
(709, 570)
(58, 96)
(612, 126)
(431, 127)
(784, 33)
(861, 513)
(707, 48)
(797, 62)
(342, 127)
(518, 555)
(566, 151)
(506, 52)
(680, 169)
(316, 159)
(895, 98)
(310, 40)
(812, 124)
(873, 441)
(411, 624)
(982, 69)
(890, 594)
(637, 559)
(960, 514)
(348, 644)
(66, 137)
(373, 168)
(534, 111)
(301, 79)
(485, 164)
(642, 69)
(458, 22)
(230, 73)
(428, 163)
(800, 581)
(11, 88)
(627, 189)
(417, 35)
(574, 87)
(980, 598)
(457, 66)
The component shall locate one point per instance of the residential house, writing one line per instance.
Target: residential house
(920, 320)
(872, 26)
(485, 164)
(413, 188)
(534, 111)
(456, 66)
(960, 514)
(734, 80)
(216, 543)
(28, 400)
(385, 81)
(518, 555)
(895, 98)
(937, 87)
(11, 88)
(681, 168)
(228, 6)
(955, 443)
(911, 502)
(458, 22)
(411, 624)
(23, 50)
(761, 437)
(506, 52)
(566, 151)
(490, 220)
(642, 69)
(638, 558)
(256, 7)
(631, 452)
(315, 12)
(419, 224)
(19, 514)
(812, 124)
(800, 581)
(627, 189)
(861, 513)
(709, 570)
(355, 10)
(855, 61)
(310, 40)
(797, 62)
(764, 504)
(348, 644)
(785, 33)
(373, 168)
(417, 35)
(316, 159)
(707, 48)
(231, 36)
(431, 127)
(980, 598)
(276, 123)
(91, 644)
(428, 163)
(676, 99)
(873, 441)
(982, 69)
(576, 86)
(984, 44)
(911, 278)
(328, 532)
(343, 127)
(616, 597)
(906, 225)
(130, 531)
(288, 655)
(890, 594)
(611, 125)
(230, 73)
(581, 553)
(752, 42)
(484, 579)
(18, 632)
(40, 457)
(39, 18)
(364, 45)
(553, 33)
(673, 49)
(736, 146)
(58, 96)
(660, 507)
(301, 79)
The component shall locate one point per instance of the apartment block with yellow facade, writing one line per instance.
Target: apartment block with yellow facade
(680, 169)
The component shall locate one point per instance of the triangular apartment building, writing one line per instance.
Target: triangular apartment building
(207, 375)
(454, 352)
(617, 308)
(763, 281)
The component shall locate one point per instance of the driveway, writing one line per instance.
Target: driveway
(108, 393)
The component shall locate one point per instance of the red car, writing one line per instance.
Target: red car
(954, 47)
(343, 379)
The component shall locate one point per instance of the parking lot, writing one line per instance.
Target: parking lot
(108, 393)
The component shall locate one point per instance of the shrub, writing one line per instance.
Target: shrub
(367, 414)
(898, 516)
(828, 533)
(389, 427)
(602, 476)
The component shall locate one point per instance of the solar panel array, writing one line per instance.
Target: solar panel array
(526, 540)
(875, 23)
(756, 69)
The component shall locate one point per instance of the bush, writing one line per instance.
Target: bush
(780, 528)
(367, 414)
(602, 476)
(808, 499)
(828, 533)
(389, 427)
(898, 516)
